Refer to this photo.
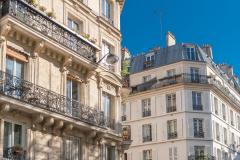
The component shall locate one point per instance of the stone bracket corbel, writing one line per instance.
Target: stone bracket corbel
(67, 129)
(58, 125)
(4, 108)
(66, 63)
(5, 30)
(38, 48)
(88, 76)
(48, 123)
(37, 120)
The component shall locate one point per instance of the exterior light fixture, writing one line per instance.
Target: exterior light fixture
(110, 58)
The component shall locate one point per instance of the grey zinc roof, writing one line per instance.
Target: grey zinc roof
(165, 56)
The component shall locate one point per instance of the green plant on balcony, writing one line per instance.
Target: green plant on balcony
(87, 36)
(51, 15)
(42, 8)
(17, 150)
(32, 2)
(93, 40)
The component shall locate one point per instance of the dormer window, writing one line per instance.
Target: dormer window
(149, 60)
(191, 53)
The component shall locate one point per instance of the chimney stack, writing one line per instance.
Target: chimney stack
(170, 39)
(208, 50)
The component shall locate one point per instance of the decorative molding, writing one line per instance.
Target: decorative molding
(5, 30)
(67, 129)
(37, 119)
(48, 123)
(5, 107)
(38, 48)
(58, 125)
(66, 63)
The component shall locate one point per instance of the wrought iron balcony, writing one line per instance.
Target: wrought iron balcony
(172, 135)
(146, 113)
(201, 157)
(14, 153)
(40, 97)
(124, 118)
(48, 27)
(199, 134)
(147, 139)
(171, 109)
(197, 107)
(181, 78)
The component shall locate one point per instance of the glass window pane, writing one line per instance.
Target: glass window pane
(19, 69)
(17, 134)
(10, 66)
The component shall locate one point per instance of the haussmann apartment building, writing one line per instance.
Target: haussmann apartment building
(181, 105)
(60, 79)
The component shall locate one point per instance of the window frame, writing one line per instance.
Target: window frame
(147, 154)
(147, 129)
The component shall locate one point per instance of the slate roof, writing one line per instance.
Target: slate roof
(165, 56)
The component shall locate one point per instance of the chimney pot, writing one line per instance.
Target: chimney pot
(170, 39)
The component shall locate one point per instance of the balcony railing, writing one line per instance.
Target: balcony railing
(181, 78)
(172, 135)
(148, 64)
(41, 23)
(124, 118)
(147, 138)
(201, 157)
(197, 107)
(13, 154)
(146, 113)
(199, 134)
(40, 97)
(171, 109)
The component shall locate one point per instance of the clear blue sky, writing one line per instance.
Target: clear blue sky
(215, 22)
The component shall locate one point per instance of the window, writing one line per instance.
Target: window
(224, 111)
(13, 136)
(217, 132)
(231, 117)
(219, 154)
(225, 155)
(197, 101)
(172, 129)
(14, 67)
(149, 60)
(233, 139)
(110, 152)
(106, 9)
(146, 78)
(171, 102)
(225, 136)
(147, 154)
(199, 152)
(146, 107)
(216, 105)
(238, 122)
(124, 111)
(73, 25)
(73, 95)
(198, 128)
(106, 106)
(106, 49)
(195, 77)
(191, 53)
(171, 73)
(72, 148)
(147, 132)
(172, 153)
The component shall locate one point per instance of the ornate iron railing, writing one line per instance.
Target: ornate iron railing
(146, 113)
(148, 64)
(201, 157)
(172, 135)
(171, 109)
(13, 154)
(38, 96)
(48, 27)
(147, 138)
(199, 134)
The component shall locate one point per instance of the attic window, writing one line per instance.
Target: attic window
(191, 53)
